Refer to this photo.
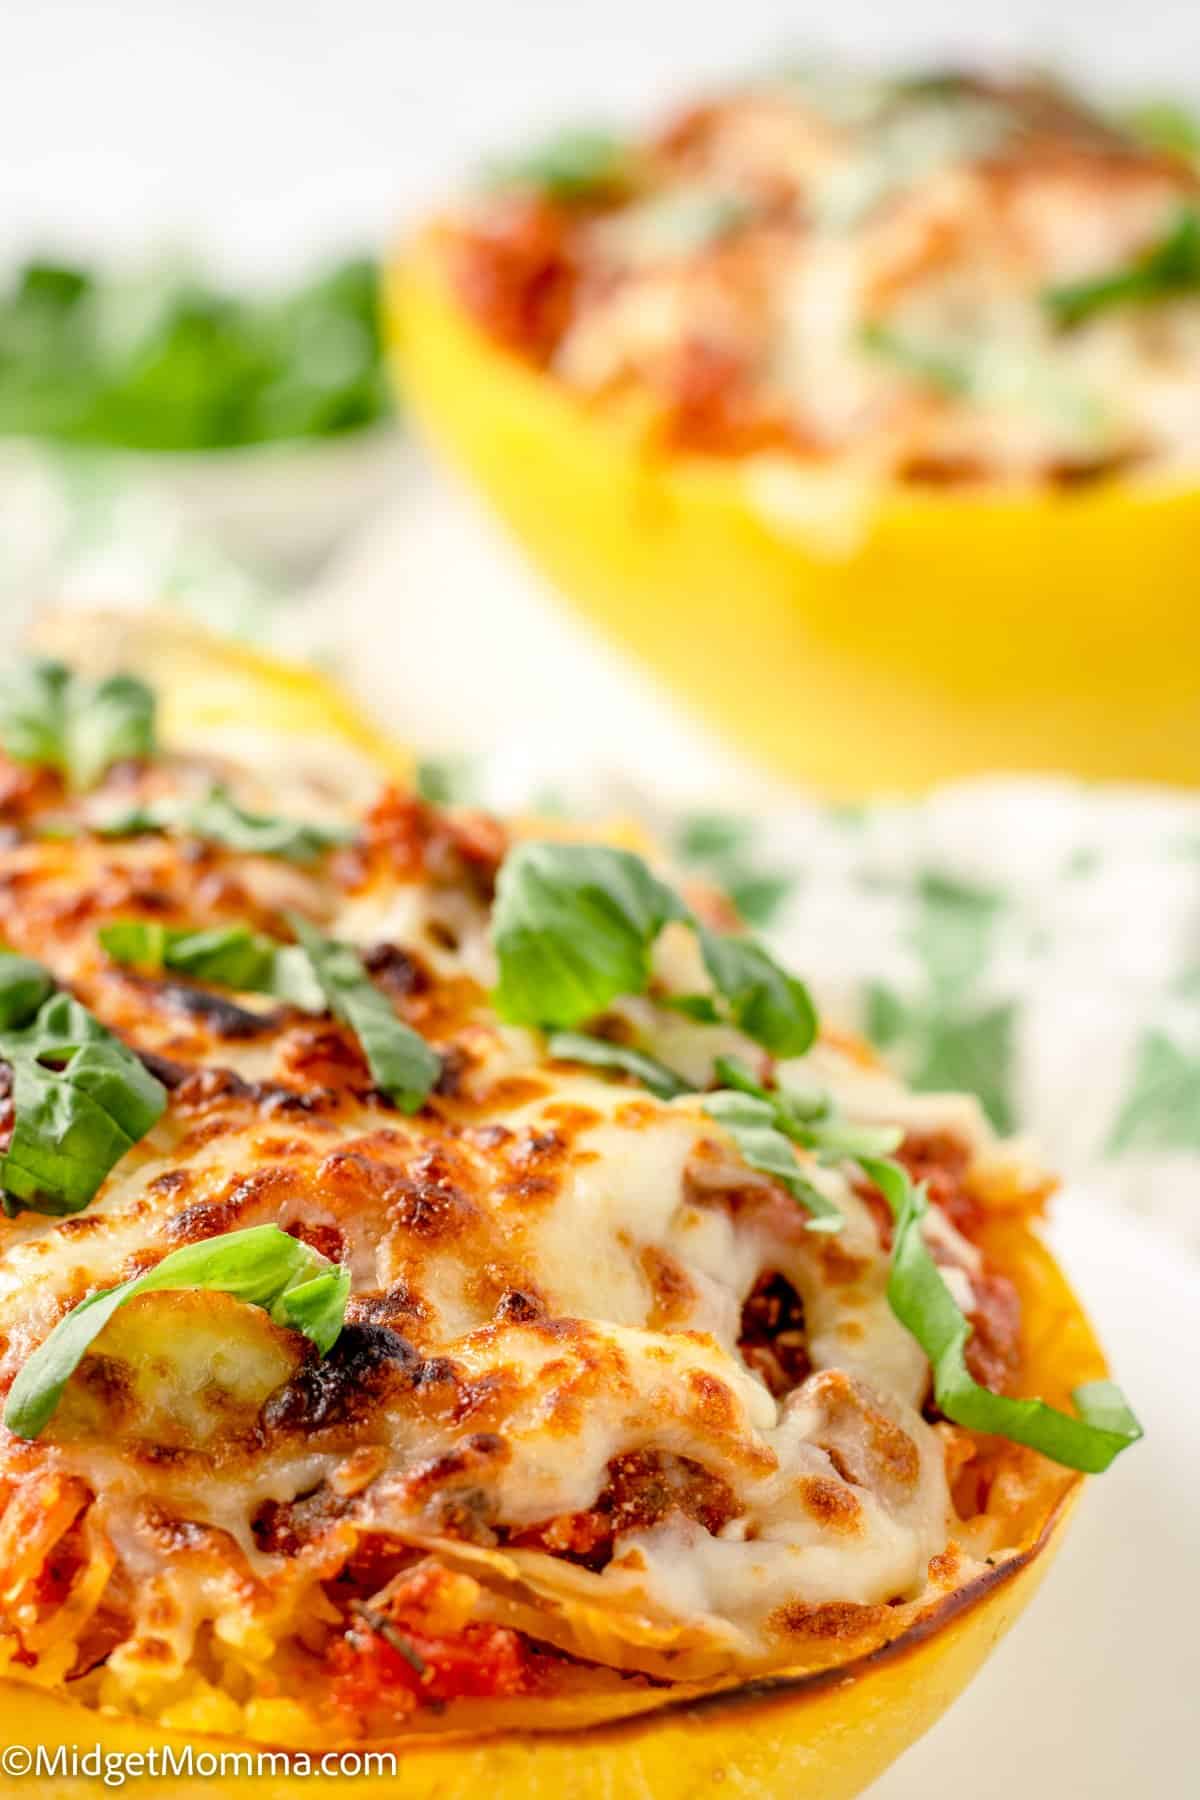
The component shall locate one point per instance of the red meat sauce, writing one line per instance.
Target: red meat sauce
(516, 274)
(405, 1656)
(482, 1662)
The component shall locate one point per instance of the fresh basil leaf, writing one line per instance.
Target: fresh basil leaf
(113, 722)
(681, 222)
(218, 819)
(924, 1305)
(447, 780)
(941, 368)
(229, 956)
(573, 927)
(809, 1119)
(81, 1099)
(765, 1002)
(798, 1109)
(52, 718)
(1165, 125)
(33, 714)
(263, 1266)
(164, 360)
(753, 1126)
(133, 821)
(1167, 268)
(317, 1307)
(702, 1008)
(599, 1053)
(711, 837)
(24, 985)
(572, 165)
(400, 1061)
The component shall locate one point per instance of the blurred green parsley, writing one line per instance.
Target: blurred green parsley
(171, 361)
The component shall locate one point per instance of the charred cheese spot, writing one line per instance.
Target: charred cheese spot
(345, 1387)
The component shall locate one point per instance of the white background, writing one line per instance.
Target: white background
(261, 129)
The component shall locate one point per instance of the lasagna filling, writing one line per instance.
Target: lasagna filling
(940, 278)
(603, 1414)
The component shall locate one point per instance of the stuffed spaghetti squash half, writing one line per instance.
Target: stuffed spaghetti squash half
(882, 391)
(454, 1298)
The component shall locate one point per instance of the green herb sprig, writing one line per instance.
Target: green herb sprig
(217, 818)
(1165, 125)
(400, 1061)
(316, 974)
(164, 359)
(264, 1266)
(54, 719)
(1103, 1426)
(600, 1053)
(571, 166)
(1168, 268)
(231, 956)
(574, 926)
(81, 1099)
(765, 1123)
(754, 1126)
(937, 365)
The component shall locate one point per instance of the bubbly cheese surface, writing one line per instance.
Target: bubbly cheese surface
(551, 1385)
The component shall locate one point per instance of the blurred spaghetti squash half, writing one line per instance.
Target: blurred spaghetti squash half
(454, 1299)
(861, 408)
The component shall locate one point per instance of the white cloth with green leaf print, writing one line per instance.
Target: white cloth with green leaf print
(1036, 941)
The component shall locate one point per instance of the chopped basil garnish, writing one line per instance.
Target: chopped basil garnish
(764, 1001)
(810, 1119)
(599, 1053)
(217, 818)
(941, 368)
(314, 974)
(447, 780)
(1000, 376)
(54, 719)
(753, 1125)
(924, 1304)
(264, 1266)
(765, 1123)
(1165, 125)
(574, 926)
(681, 222)
(81, 1099)
(400, 1061)
(229, 956)
(1170, 267)
(570, 166)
